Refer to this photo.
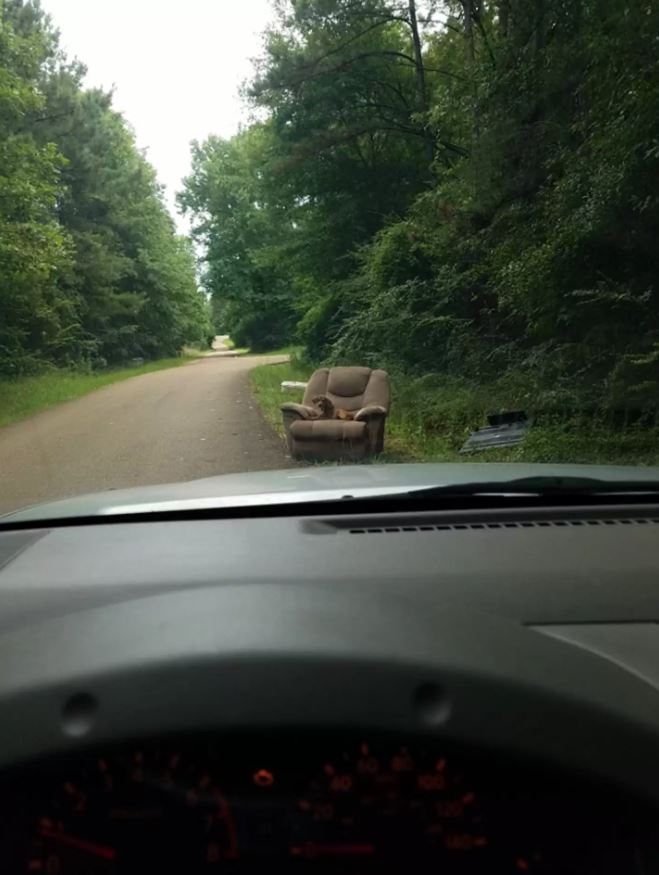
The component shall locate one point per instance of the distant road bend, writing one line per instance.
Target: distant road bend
(193, 421)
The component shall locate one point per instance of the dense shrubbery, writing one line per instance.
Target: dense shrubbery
(91, 269)
(486, 211)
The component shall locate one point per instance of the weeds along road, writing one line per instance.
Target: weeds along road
(193, 421)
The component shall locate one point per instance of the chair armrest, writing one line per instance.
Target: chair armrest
(300, 410)
(374, 415)
(369, 411)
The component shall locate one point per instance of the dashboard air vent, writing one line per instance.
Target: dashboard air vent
(485, 526)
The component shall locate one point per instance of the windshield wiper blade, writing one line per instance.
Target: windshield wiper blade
(543, 485)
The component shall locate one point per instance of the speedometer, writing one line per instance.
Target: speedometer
(305, 804)
(133, 812)
(396, 804)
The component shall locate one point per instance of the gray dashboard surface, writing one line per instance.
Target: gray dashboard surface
(219, 624)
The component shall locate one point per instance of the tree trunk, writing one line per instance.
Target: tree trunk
(468, 6)
(504, 17)
(422, 93)
(539, 25)
(469, 10)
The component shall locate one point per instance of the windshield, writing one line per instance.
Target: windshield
(317, 237)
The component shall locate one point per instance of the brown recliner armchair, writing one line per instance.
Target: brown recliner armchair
(359, 390)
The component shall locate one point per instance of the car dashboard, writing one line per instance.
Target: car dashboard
(452, 692)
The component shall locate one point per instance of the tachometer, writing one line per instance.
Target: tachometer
(395, 804)
(133, 813)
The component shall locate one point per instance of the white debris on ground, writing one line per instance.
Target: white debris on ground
(292, 385)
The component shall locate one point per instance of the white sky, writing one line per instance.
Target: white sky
(175, 65)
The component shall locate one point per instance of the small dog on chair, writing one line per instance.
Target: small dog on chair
(326, 409)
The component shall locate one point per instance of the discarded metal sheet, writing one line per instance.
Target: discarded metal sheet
(504, 430)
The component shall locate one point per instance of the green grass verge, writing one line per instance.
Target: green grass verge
(266, 386)
(293, 351)
(431, 418)
(27, 395)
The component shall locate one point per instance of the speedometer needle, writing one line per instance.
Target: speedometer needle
(81, 844)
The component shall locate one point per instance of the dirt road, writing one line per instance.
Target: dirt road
(193, 421)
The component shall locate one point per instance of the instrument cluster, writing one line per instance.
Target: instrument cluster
(323, 803)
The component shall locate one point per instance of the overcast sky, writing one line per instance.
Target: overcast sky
(175, 67)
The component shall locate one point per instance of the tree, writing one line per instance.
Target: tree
(37, 322)
(244, 237)
(93, 272)
(283, 207)
(522, 243)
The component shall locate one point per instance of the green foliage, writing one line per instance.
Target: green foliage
(483, 213)
(244, 238)
(282, 207)
(91, 271)
(536, 253)
(35, 322)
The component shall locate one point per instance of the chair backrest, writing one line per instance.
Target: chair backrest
(349, 388)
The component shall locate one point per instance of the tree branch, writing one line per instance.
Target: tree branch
(391, 54)
(315, 61)
(483, 33)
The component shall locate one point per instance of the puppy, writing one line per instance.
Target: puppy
(326, 409)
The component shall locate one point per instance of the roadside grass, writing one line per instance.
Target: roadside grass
(266, 385)
(28, 395)
(431, 417)
(293, 351)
